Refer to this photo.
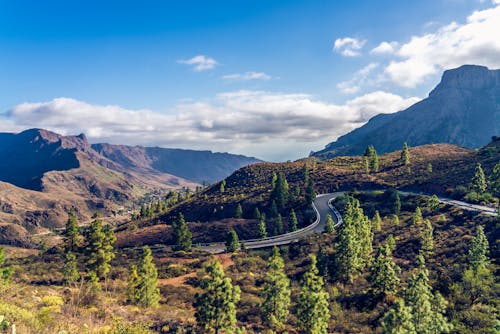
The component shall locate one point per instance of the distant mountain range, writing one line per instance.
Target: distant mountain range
(43, 175)
(463, 109)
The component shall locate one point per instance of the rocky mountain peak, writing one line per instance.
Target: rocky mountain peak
(468, 77)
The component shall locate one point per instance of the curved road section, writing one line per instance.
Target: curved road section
(323, 207)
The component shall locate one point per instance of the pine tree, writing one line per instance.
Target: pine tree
(323, 263)
(329, 225)
(312, 305)
(495, 180)
(310, 192)
(278, 225)
(71, 233)
(478, 182)
(305, 174)
(274, 178)
(398, 320)
(292, 221)
(427, 240)
(433, 203)
(427, 308)
(405, 154)
(5, 271)
(377, 222)
(275, 307)
(239, 211)
(384, 272)
(395, 220)
(274, 209)
(232, 241)
(143, 281)
(256, 213)
(70, 270)
(478, 250)
(182, 235)
(216, 306)
(372, 156)
(429, 168)
(262, 228)
(397, 203)
(280, 192)
(222, 187)
(100, 248)
(417, 216)
(391, 243)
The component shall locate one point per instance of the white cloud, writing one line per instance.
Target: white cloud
(476, 42)
(353, 85)
(269, 125)
(248, 76)
(200, 63)
(348, 46)
(385, 48)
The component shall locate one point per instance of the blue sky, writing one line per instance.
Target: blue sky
(126, 71)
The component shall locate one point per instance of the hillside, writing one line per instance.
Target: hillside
(463, 109)
(250, 187)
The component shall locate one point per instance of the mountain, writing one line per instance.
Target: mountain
(43, 175)
(197, 166)
(463, 109)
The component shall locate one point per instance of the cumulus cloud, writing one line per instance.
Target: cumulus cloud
(200, 63)
(353, 85)
(348, 46)
(475, 41)
(385, 48)
(248, 76)
(270, 125)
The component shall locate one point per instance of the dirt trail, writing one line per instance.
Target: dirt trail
(225, 259)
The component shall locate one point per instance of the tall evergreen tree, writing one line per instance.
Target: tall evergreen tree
(398, 320)
(310, 192)
(329, 224)
(278, 225)
(427, 239)
(395, 220)
(478, 181)
(222, 187)
(182, 235)
(384, 272)
(274, 179)
(274, 209)
(312, 305)
(232, 241)
(478, 250)
(372, 156)
(216, 306)
(427, 308)
(280, 192)
(495, 180)
(417, 216)
(275, 307)
(292, 221)
(70, 269)
(256, 213)
(405, 154)
(377, 222)
(143, 281)
(262, 228)
(100, 248)
(239, 211)
(71, 233)
(397, 203)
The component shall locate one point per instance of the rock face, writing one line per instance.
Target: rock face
(463, 109)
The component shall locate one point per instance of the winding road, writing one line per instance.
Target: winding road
(323, 207)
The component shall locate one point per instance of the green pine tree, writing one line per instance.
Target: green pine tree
(278, 225)
(256, 213)
(329, 225)
(216, 306)
(427, 239)
(262, 228)
(313, 302)
(384, 272)
(310, 192)
(397, 203)
(232, 241)
(276, 304)
(433, 203)
(395, 220)
(100, 248)
(239, 211)
(478, 181)
(377, 222)
(478, 250)
(398, 320)
(222, 187)
(292, 221)
(495, 180)
(71, 233)
(274, 179)
(70, 269)
(143, 281)
(429, 168)
(405, 154)
(417, 216)
(280, 192)
(182, 235)
(372, 157)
